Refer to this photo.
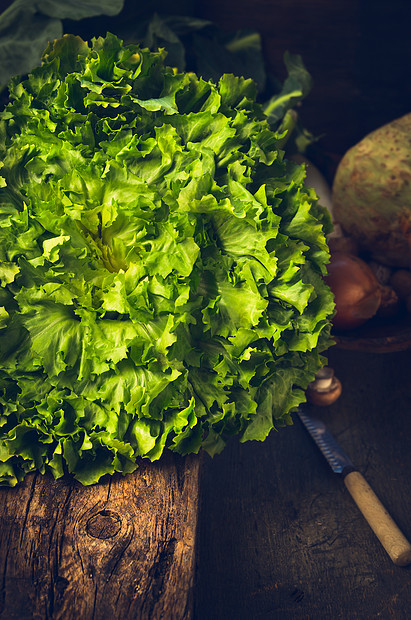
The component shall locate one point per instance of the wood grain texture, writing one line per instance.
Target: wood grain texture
(123, 548)
(280, 536)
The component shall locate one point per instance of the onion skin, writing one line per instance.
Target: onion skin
(401, 283)
(357, 292)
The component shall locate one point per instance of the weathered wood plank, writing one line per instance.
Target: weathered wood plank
(123, 548)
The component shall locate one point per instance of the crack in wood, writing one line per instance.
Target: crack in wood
(30, 499)
(297, 595)
(3, 581)
(108, 489)
(158, 573)
(93, 615)
(120, 556)
(50, 605)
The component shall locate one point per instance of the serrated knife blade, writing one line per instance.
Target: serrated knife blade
(335, 455)
(382, 524)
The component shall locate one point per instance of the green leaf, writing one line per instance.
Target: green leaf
(27, 26)
(160, 261)
(296, 87)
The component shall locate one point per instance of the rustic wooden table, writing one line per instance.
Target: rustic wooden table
(280, 537)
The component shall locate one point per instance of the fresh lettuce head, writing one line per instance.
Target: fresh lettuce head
(160, 264)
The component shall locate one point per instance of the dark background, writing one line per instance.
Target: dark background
(358, 52)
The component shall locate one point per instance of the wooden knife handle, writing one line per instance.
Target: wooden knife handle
(386, 530)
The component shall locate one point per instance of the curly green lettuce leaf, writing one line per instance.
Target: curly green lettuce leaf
(161, 265)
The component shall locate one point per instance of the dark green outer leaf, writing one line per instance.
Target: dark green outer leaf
(27, 26)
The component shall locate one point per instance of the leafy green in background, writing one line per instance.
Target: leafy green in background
(27, 26)
(160, 265)
(192, 44)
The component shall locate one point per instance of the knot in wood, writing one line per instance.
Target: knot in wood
(104, 524)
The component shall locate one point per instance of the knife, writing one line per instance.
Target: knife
(382, 524)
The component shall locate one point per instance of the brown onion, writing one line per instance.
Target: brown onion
(357, 292)
(401, 283)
